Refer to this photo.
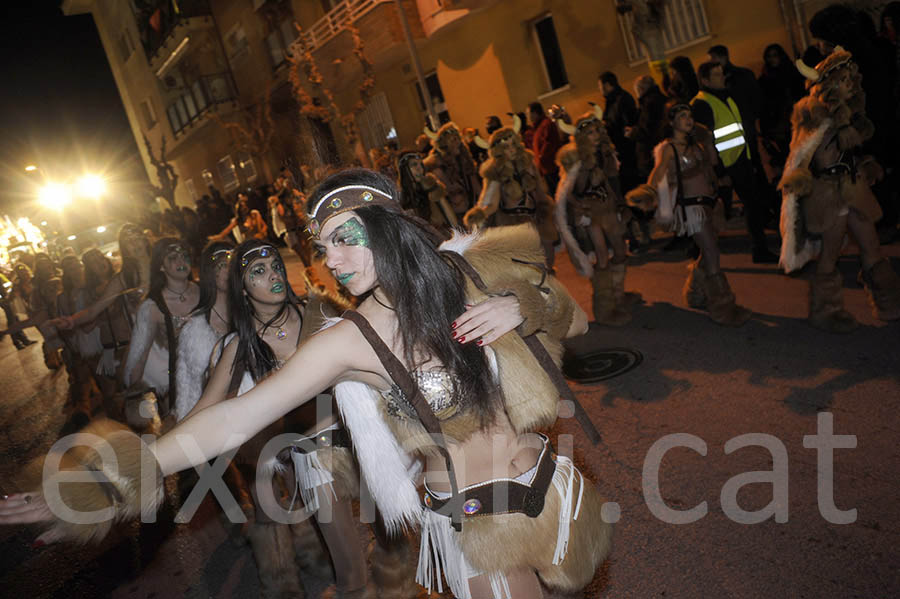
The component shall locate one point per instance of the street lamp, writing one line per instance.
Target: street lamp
(55, 195)
(91, 186)
(31, 168)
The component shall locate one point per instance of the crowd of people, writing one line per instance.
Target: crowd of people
(448, 362)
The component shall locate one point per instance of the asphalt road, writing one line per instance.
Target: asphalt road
(709, 385)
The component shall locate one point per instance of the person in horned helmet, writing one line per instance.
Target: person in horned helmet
(591, 216)
(450, 162)
(682, 188)
(513, 191)
(826, 190)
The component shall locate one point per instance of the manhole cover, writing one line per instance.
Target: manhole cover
(601, 364)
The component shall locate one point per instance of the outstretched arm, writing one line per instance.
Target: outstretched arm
(221, 235)
(322, 361)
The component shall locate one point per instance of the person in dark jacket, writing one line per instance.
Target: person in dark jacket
(680, 83)
(620, 112)
(781, 85)
(651, 123)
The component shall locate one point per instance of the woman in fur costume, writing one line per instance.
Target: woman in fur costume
(826, 188)
(682, 188)
(591, 216)
(416, 373)
(171, 299)
(210, 322)
(513, 191)
(269, 323)
(422, 193)
(450, 162)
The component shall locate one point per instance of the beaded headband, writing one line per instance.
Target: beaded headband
(344, 199)
(263, 250)
(216, 257)
(176, 247)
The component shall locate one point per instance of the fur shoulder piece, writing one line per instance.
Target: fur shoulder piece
(809, 113)
(567, 156)
(658, 151)
(195, 346)
(431, 162)
(509, 260)
(490, 169)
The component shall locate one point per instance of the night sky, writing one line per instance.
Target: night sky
(60, 108)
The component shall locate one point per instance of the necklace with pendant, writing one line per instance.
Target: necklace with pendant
(280, 333)
(180, 296)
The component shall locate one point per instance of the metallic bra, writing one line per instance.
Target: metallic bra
(437, 389)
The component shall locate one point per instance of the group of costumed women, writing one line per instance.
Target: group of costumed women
(442, 377)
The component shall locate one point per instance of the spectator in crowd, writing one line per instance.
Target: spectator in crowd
(620, 113)
(547, 142)
(246, 224)
(6, 302)
(649, 129)
(492, 123)
(781, 85)
(680, 83)
(715, 109)
(527, 131)
(743, 88)
(478, 153)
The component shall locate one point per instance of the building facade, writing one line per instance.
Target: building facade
(183, 67)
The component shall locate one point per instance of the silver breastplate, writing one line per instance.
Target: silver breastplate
(437, 389)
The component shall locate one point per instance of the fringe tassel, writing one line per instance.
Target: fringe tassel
(564, 481)
(689, 219)
(310, 475)
(440, 553)
(500, 586)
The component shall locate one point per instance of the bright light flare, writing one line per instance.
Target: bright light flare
(72, 237)
(101, 229)
(55, 196)
(91, 186)
(30, 168)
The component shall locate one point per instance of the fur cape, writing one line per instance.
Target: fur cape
(195, 346)
(144, 335)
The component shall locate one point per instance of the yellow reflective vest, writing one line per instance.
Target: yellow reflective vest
(728, 128)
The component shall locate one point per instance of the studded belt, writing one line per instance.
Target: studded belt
(117, 345)
(505, 495)
(332, 437)
(519, 210)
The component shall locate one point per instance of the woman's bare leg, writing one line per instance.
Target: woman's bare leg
(339, 530)
(523, 584)
(707, 240)
(867, 239)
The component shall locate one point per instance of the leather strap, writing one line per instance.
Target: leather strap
(398, 373)
(540, 353)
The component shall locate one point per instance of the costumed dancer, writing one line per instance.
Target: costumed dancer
(501, 509)
(513, 191)
(168, 305)
(422, 193)
(591, 216)
(827, 194)
(682, 189)
(450, 162)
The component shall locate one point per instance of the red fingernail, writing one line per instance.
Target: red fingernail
(453, 325)
(453, 334)
(462, 339)
(37, 544)
(479, 342)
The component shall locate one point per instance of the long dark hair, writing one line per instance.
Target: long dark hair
(427, 292)
(681, 81)
(131, 269)
(157, 283)
(207, 275)
(253, 354)
(412, 196)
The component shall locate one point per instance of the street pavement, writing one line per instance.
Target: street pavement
(775, 377)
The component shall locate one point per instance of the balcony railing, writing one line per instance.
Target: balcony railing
(156, 23)
(195, 101)
(335, 21)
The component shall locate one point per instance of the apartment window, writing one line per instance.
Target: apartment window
(148, 114)
(189, 183)
(236, 43)
(376, 123)
(207, 178)
(437, 98)
(126, 45)
(227, 173)
(684, 22)
(279, 40)
(246, 166)
(174, 120)
(551, 55)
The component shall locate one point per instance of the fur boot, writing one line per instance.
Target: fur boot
(720, 302)
(606, 311)
(394, 568)
(312, 556)
(625, 300)
(826, 306)
(273, 551)
(695, 287)
(883, 289)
